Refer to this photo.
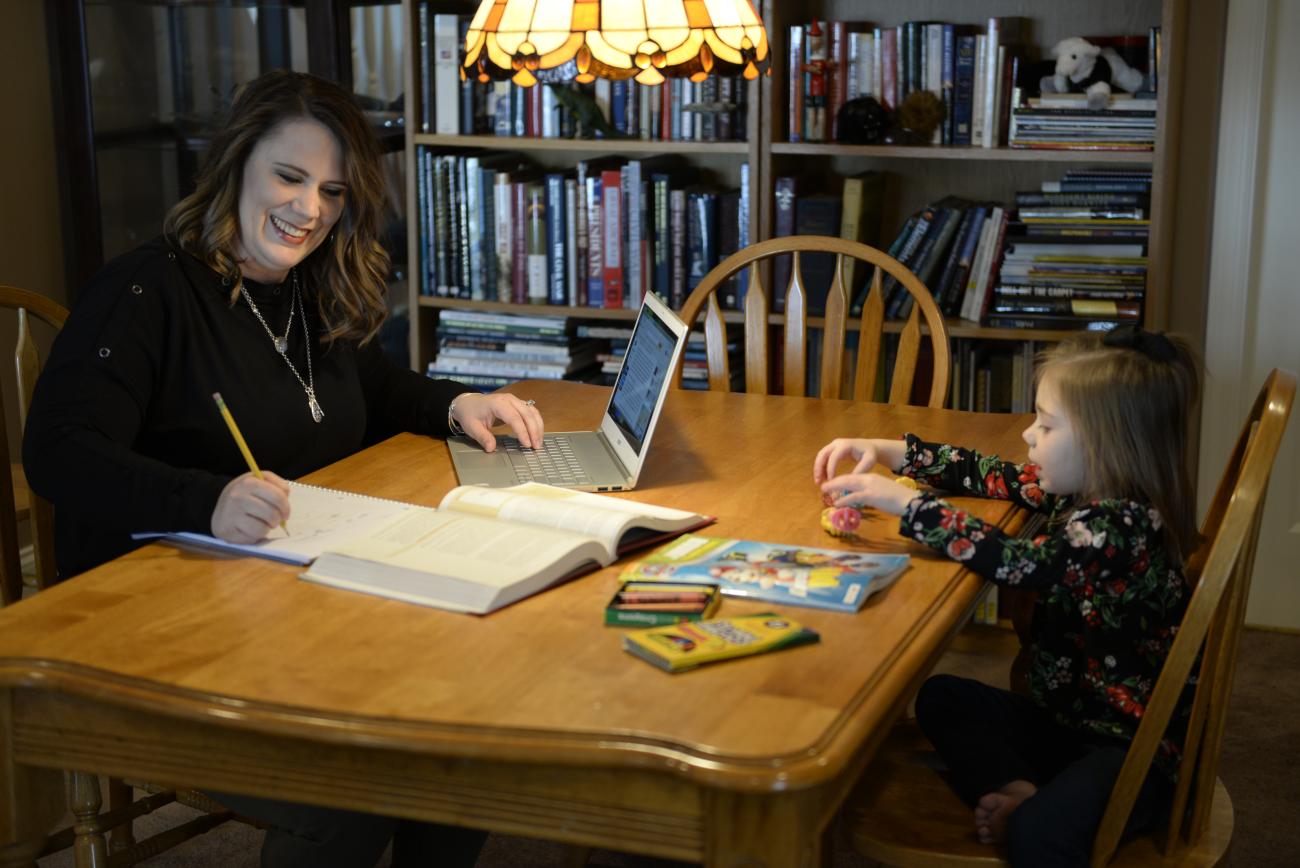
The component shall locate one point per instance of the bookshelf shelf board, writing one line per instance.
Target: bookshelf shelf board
(999, 155)
(957, 328)
(427, 301)
(584, 146)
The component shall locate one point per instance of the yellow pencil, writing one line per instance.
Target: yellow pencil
(239, 441)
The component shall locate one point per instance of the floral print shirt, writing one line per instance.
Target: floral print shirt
(1110, 596)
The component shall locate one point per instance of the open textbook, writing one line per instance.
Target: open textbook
(484, 548)
(481, 549)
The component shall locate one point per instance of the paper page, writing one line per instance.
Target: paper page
(463, 546)
(320, 519)
(604, 518)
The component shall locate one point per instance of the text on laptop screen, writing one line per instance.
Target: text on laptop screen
(645, 365)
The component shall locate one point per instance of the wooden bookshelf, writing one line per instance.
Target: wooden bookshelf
(924, 174)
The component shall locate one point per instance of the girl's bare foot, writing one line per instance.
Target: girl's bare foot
(995, 808)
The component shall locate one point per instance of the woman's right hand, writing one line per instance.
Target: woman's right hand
(249, 507)
(861, 450)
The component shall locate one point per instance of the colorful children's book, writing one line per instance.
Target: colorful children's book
(682, 646)
(650, 604)
(796, 575)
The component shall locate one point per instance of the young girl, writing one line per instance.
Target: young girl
(1108, 464)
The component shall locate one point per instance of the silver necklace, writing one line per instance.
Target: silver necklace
(281, 344)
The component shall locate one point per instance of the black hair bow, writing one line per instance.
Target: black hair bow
(1153, 345)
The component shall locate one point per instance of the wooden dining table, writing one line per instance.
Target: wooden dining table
(231, 674)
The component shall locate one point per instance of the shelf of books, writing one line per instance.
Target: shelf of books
(1029, 215)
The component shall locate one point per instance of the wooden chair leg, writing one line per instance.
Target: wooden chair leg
(85, 800)
(120, 794)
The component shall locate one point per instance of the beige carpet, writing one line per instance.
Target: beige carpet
(1260, 766)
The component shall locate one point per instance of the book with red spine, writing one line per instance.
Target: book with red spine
(612, 231)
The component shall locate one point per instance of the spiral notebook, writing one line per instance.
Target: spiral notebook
(321, 519)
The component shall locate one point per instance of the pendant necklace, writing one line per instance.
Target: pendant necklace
(281, 344)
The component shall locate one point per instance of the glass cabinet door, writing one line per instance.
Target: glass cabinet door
(159, 75)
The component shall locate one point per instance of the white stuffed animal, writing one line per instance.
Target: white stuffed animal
(1082, 67)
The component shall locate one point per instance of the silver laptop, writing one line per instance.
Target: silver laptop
(610, 458)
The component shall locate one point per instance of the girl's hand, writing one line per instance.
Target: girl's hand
(249, 507)
(870, 489)
(866, 454)
(861, 450)
(477, 413)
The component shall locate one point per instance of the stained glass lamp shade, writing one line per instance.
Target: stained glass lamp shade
(615, 39)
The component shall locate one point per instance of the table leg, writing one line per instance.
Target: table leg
(762, 831)
(85, 800)
(30, 799)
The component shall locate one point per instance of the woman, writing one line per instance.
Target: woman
(268, 287)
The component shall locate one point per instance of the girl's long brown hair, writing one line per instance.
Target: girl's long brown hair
(346, 273)
(1132, 414)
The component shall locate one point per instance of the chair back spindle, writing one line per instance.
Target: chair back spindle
(924, 318)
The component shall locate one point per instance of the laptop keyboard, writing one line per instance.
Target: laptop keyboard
(555, 463)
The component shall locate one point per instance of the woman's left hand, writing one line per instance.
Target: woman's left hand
(478, 413)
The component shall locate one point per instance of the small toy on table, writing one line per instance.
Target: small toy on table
(844, 521)
(651, 604)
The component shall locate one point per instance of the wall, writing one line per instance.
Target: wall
(1253, 307)
(31, 252)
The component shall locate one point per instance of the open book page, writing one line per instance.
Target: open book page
(604, 518)
(455, 560)
(320, 519)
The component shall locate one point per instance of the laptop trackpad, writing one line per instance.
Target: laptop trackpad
(479, 460)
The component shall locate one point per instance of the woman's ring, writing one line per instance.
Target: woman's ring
(530, 402)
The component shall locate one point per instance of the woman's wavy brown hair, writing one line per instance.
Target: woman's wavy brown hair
(1132, 413)
(346, 273)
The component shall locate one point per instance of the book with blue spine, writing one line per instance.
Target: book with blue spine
(556, 222)
(834, 579)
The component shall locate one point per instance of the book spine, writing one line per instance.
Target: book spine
(595, 244)
(785, 192)
(502, 201)
(486, 219)
(661, 250)
(889, 78)
(612, 236)
(446, 75)
(535, 220)
(948, 82)
(956, 296)
(964, 84)
(519, 243)
(633, 272)
(943, 286)
(474, 228)
(989, 278)
(795, 66)
(462, 223)
(992, 81)
(742, 231)
(677, 224)
(837, 83)
(556, 223)
(575, 253)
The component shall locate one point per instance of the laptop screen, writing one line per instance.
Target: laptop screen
(648, 361)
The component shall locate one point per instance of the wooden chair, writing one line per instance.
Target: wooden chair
(902, 813)
(795, 342)
(83, 790)
(23, 504)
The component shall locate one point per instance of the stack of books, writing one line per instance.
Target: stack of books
(1076, 253)
(1063, 121)
(490, 350)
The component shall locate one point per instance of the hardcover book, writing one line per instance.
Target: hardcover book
(683, 646)
(484, 548)
(796, 575)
